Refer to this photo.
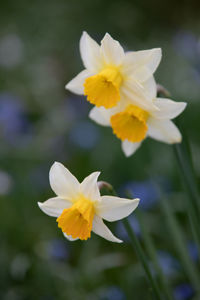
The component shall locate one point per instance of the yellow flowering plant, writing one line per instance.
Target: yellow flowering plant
(122, 88)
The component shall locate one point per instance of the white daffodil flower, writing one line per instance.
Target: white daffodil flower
(79, 207)
(110, 74)
(132, 124)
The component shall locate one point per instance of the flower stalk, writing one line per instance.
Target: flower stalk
(137, 247)
(192, 199)
(187, 175)
(151, 250)
(179, 242)
(141, 255)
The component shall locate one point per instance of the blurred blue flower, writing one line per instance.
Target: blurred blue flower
(145, 190)
(168, 263)
(186, 43)
(121, 231)
(12, 117)
(193, 251)
(57, 249)
(183, 291)
(85, 135)
(77, 106)
(113, 293)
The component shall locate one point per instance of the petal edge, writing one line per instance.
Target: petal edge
(102, 230)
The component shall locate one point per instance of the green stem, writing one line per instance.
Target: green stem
(187, 175)
(137, 247)
(151, 250)
(193, 200)
(179, 243)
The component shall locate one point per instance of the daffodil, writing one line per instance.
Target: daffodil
(110, 74)
(132, 124)
(79, 207)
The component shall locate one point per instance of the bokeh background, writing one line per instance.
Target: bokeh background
(41, 122)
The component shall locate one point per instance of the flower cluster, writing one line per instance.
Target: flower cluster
(122, 88)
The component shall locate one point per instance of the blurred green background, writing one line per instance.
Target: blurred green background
(41, 122)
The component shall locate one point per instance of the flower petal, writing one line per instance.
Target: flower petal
(129, 148)
(100, 115)
(168, 109)
(113, 208)
(164, 131)
(90, 53)
(69, 237)
(142, 74)
(112, 51)
(54, 206)
(134, 60)
(151, 91)
(89, 187)
(76, 84)
(101, 229)
(62, 182)
(138, 93)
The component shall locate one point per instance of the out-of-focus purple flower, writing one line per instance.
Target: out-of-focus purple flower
(85, 135)
(186, 43)
(12, 117)
(145, 190)
(77, 106)
(168, 263)
(193, 251)
(57, 249)
(121, 231)
(183, 291)
(112, 293)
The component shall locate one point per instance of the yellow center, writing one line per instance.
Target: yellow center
(130, 124)
(103, 89)
(77, 220)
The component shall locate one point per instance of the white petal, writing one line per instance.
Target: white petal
(138, 93)
(76, 84)
(89, 187)
(100, 115)
(135, 60)
(129, 148)
(113, 208)
(62, 182)
(164, 131)
(70, 238)
(54, 206)
(90, 53)
(168, 109)
(112, 51)
(101, 229)
(150, 91)
(151, 57)
(142, 74)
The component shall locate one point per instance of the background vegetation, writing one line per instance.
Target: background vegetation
(41, 122)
